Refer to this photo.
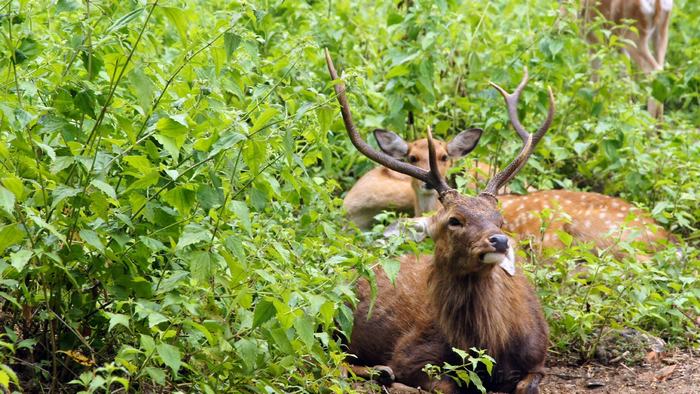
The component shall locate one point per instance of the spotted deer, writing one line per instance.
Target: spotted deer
(383, 189)
(469, 293)
(650, 22)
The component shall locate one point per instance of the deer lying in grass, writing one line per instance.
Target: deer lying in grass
(468, 294)
(384, 189)
(650, 21)
(594, 218)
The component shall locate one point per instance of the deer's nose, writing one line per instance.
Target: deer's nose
(500, 242)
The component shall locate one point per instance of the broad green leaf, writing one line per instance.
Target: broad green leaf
(170, 356)
(391, 267)
(240, 209)
(179, 19)
(105, 188)
(92, 239)
(247, 350)
(262, 120)
(157, 374)
(147, 343)
(61, 193)
(264, 311)
(9, 235)
(7, 200)
(192, 234)
(280, 337)
(15, 185)
(201, 266)
(231, 42)
(305, 330)
(181, 198)
(20, 259)
(117, 319)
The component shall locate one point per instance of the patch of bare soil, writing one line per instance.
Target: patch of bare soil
(678, 373)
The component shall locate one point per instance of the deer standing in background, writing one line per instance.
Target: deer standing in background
(468, 294)
(384, 189)
(650, 25)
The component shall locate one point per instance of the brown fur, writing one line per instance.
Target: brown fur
(589, 217)
(453, 299)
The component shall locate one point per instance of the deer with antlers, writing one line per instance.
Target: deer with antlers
(468, 294)
(650, 24)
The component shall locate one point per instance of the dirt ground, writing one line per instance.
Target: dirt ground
(677, 373)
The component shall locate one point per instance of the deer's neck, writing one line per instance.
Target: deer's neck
(479, 310)
(426, 200)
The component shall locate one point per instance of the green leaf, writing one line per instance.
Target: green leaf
(305, 330)
(148, 345)
(7, 200)
(240, 209)
(179, 19)
(61, 193)
(192, 234)
(123, 21)
(264, 311)
(231, 42)
(279, 336)
(391, 267)
(9, 235)
(20, 259)
(262, 120)
(105, 188)
(201, 266)
(170, 356)
(181, 198)
(117, 319)
(92, 239)
(15, 185)
(157, 374)
(247, 349)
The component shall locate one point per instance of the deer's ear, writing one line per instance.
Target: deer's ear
(415, 229)
(391, 143)
(464, 142)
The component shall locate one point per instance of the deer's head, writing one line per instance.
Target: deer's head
(416, 153)
(467, 230)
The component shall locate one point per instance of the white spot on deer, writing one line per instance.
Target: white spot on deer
(587, 223)
(602, 215)
(615, 204)
(556, 197)
(520, 207)
(620, 215)
(547, 238)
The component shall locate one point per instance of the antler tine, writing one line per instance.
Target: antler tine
(438, 181)
(512, 105)
(381, 157)
(529, 141)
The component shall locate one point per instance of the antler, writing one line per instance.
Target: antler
(529, 141)
(432, 177)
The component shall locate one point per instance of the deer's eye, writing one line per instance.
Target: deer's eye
(443, 158)
(454, 222)
(412, 159)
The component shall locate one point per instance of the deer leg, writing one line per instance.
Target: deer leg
(379, 373)
(530, 384)
(656, 109)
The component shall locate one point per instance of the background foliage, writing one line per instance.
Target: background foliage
(171, 178)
